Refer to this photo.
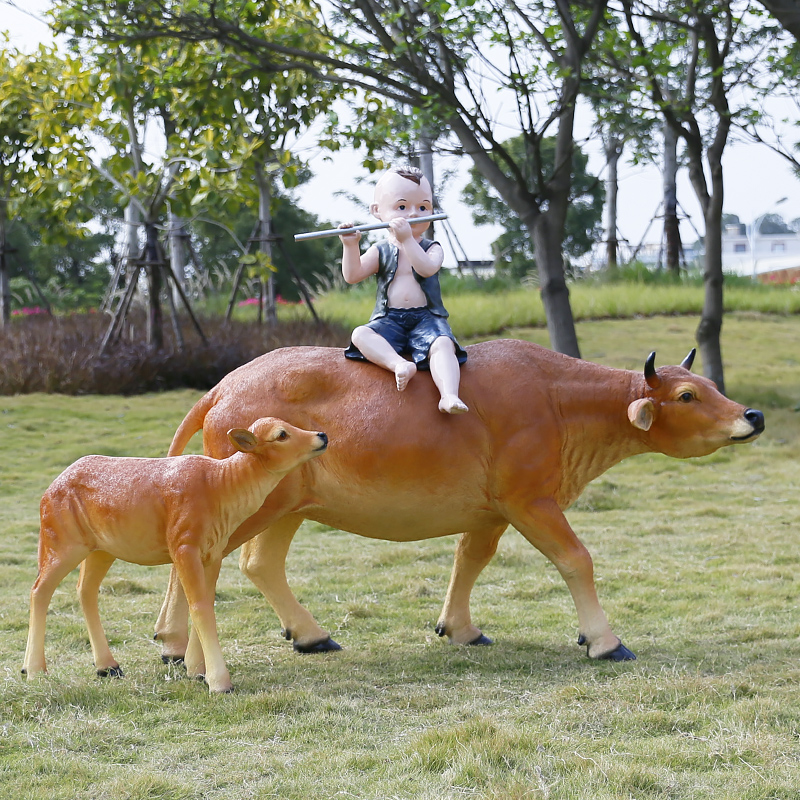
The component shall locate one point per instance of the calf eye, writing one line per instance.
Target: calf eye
(282, 436)
(686, 397)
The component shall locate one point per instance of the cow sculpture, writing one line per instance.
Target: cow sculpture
(541, 426)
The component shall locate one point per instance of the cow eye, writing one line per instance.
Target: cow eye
(282, 436)
(686, 397)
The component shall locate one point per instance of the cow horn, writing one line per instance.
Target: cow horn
(689, 360)
(653, 381)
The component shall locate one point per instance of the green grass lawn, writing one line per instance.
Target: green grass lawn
(697, 566)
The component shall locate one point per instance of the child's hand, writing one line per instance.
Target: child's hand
(401, 229)
(352, 236)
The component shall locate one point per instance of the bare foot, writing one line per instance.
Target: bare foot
(403, 373)
(452, 404)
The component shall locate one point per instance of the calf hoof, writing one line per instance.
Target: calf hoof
(111, 672)
(172, 659)
(481, 640)
(227, 690)
(325, 646)
(620, 653)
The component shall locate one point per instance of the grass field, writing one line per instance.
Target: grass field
(480, 313)
(697, 566)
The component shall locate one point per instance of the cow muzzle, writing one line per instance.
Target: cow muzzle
(755, 419)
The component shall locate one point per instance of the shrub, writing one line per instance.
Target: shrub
(61, 354)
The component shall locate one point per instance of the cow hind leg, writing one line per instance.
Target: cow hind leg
(172, 625)
(544, 525)
(474, 551)
(263, 561)
(94, 568)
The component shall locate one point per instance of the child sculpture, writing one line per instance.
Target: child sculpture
(409, 316)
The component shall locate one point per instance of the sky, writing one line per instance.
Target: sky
(756, 179)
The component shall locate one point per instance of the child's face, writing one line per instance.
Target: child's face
(396, 196)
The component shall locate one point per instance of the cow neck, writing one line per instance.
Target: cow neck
(596, 432)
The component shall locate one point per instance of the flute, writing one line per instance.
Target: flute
(299, 237)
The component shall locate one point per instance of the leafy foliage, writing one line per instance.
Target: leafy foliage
(513, 250)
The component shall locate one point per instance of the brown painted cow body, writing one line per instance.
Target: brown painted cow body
(541, 426)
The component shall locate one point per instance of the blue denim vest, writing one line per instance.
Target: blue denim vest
(387, 267)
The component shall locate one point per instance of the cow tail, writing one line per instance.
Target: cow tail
(192, 423)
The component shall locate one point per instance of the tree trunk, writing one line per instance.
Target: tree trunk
(177, 255)
(613, 150)
(553, 286)
(155, 318)
(426, 165)
(672, 234)
(709, 330)
(264, 244)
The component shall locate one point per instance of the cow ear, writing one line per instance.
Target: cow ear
(641, 414)
(242, 439)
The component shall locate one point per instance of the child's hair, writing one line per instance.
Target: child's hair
(410, 173)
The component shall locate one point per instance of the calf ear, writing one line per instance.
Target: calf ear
(641, 413)
(243, 440)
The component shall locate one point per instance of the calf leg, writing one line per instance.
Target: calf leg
(474, 551)
(172, 625)
(263, 561)
(54, 566)
(195, 658)
(199, 582)
(94, 568)
(544, 525)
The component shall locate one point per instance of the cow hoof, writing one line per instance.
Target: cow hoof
(440, 629)
(324, 646)
(481, 641)
(111, 672)
(287, 634)
(172, 659)
(620, 653)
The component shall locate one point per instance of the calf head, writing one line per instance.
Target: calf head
(685, 415)
(280, 445)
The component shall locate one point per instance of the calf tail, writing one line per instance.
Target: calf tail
(192, 423)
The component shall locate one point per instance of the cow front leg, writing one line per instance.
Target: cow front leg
(544, 525)
(474, 551)
(263, 561)
(199, 582)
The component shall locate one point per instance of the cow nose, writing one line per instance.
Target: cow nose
(755, 418)
(324, 438)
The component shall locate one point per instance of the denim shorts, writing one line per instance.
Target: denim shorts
(411, 332)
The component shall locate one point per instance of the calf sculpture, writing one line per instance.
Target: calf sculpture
(541, 426)
(156, 511)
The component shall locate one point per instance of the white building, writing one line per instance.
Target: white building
(767, 256)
